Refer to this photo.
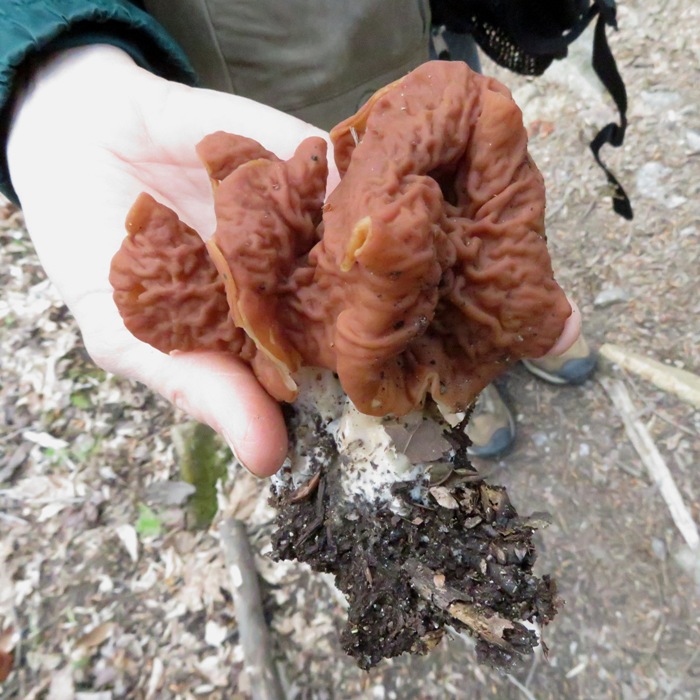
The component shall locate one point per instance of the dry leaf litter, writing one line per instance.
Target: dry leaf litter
(105, 592)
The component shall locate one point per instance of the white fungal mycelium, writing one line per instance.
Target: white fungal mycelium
(373, 453)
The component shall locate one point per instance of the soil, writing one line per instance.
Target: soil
(106, 593)
(401, 573)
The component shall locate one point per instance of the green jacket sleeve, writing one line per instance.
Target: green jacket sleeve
(30, 29)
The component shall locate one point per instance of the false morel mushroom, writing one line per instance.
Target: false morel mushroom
(425, 272)
(379, 311)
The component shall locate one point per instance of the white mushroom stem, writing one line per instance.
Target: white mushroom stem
(373, 453)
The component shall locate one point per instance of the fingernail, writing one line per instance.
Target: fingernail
(229, 442)
(572, 330)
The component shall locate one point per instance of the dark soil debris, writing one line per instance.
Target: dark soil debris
(407, 576)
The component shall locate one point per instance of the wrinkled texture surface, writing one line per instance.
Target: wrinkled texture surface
(277, 207)
(428, 272)
(166, 287)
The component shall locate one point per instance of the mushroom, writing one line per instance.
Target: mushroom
(378, 316)
(426, 272)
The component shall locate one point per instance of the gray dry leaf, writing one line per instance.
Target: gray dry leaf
(15, 461)
(242, 494)
(611, 295)
(127, 534)
(419, 439)
(443, 496)
(62, 685)
(96, 636)
(169, 493)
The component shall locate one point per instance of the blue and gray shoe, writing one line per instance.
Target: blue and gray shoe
(574, 366)
(491, 427)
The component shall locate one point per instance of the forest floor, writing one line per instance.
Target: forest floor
(106, 593)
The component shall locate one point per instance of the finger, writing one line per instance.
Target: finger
(214, 388)
(221, 391)
(570, 334)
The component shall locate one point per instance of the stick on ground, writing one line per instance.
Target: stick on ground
(653, 461)
(488, 627)
(254, 635)
(680, 382)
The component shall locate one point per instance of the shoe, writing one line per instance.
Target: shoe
(572, 367)
(491, 427)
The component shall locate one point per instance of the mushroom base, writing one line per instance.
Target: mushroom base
(410, 566)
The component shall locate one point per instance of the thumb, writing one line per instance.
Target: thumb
(213, 387)
(570, 333)
(220, 390)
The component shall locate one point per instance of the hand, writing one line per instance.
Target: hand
(571, 332)
(93, 131)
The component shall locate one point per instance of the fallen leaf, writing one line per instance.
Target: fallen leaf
(96, 636)
(62, 686)
(169, 493)
(214, 633)
(444, 497)
(214, 670)
(127, 534)
(419, 439)
(241, 496)
(155, 679)
(45, 440)
(17, 458)
(8, 639)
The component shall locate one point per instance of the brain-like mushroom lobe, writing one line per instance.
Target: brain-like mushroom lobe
(435, 236)
(166, 287)
(267, 213)
(426, 272)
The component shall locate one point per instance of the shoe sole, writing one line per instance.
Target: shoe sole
(582, 370)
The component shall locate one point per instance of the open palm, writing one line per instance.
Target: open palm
(94, 132)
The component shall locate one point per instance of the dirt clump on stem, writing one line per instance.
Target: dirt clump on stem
(449, 551)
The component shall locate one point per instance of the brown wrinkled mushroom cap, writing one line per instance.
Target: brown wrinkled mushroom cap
(435, 240)
(166, 287)
(267, 212)
(429, 273)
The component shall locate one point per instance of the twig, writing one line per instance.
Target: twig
(685, 385)
(527, 693)
(667, 419)
(489, 628)
(254, 635)
(653, 461)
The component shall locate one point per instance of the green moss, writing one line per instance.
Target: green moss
(203, 459)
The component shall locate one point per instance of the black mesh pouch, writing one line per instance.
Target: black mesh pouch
(526, 36)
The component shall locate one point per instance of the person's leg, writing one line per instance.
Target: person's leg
(491, 428)
(450, 46)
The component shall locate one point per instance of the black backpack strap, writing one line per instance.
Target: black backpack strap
(606, 69)
(526, 37)
(614, 134)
